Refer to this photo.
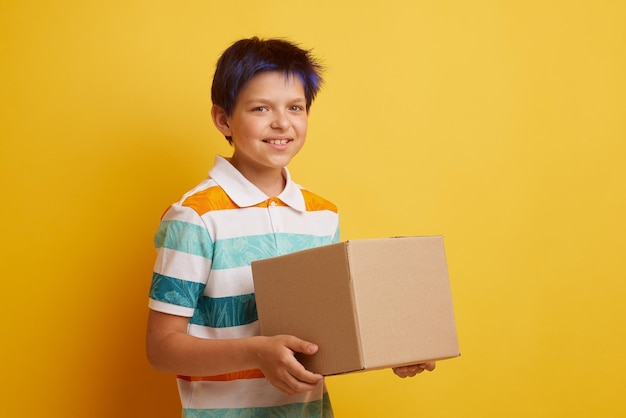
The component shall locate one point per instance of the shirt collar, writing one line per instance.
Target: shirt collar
(245, 194)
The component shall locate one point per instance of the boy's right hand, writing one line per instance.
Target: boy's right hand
(278, 363)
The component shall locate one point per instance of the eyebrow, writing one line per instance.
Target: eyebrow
(264, 100)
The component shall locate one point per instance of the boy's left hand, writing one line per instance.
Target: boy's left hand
(410, 371)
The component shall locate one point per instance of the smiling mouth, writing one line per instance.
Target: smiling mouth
(277, 141)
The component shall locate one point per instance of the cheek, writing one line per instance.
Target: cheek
(301, 126)
(249, 129)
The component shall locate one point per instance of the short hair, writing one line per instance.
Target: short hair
(247, 57)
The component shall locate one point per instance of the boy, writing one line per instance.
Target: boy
(202, 323)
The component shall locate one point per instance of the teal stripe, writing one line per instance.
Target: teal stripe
(225, 312)
(175, 291)
(317, 409)
(185, 237)
(242, 251)
(289, 243)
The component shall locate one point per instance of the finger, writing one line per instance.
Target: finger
(302, 346)
(300, 374)
(295, 368)
(405, 371)
(413, 370)
(430, 366)
(290, 385)
(281, 385)
(298, 386)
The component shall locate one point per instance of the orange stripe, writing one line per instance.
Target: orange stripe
(315, 202)
(243, 374)
(276, 201)
(213, 198)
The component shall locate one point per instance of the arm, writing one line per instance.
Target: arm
(170, 349)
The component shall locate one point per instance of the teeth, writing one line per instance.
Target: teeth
(278, 141)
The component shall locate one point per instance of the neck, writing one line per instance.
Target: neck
(269, 180)
(270, 186)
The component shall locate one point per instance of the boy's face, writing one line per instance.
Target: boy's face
(268, 124)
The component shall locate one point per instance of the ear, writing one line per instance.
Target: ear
(220, 120)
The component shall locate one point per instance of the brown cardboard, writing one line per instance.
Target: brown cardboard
(368, 304)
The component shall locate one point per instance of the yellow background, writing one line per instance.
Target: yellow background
(499, 124)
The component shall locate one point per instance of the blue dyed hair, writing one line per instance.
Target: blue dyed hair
(247, 57)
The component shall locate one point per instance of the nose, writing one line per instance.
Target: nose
(280, 120)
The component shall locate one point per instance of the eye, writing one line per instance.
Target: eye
(296, 108)
(260, 109)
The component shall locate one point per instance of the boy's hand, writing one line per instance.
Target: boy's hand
(410, 371)
(280, 367)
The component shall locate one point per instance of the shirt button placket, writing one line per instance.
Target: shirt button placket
(274, 222)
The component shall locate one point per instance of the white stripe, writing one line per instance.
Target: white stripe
(230, 282)
(242, 331)
(318, 223)
(168, 308)
(203, 185)
(259, 221)
(243, 393)
(182, 213)
(238, 223)
(181, 265)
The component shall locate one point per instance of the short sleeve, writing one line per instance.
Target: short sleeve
(184, 256)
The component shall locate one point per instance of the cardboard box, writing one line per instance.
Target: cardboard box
(367, 304)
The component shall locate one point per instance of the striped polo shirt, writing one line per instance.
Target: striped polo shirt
(205, 244)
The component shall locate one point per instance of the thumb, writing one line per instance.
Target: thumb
(302, 346)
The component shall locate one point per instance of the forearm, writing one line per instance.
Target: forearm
(171, 350)
(187, 355)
